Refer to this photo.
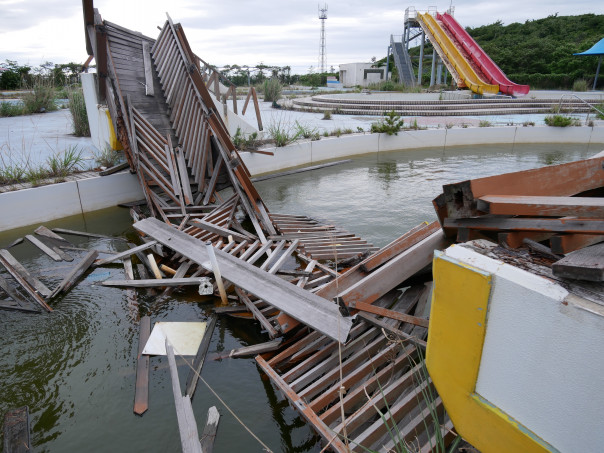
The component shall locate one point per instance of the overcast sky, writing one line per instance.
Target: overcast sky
(241, 32)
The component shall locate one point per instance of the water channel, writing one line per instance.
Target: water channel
(75, 367)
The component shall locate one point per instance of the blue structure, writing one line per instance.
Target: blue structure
(596, 49)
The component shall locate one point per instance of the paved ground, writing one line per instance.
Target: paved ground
(32, 138)
(35, 137)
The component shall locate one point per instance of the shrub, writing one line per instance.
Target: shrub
(282, 134)
(10, 109)
(62, 164)
(484, 123)
(327, 115)
(391, 124)
(360, 129)
(41, 99)
(337, 132)
(77, 107)
(600, 112)
(272, 90)
(305, 131)
(36, 175)
(242, 142)
(107, 158)
(580, 85)
(528, 123)
(561, 121)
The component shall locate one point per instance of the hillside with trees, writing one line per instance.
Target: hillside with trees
(540, 52)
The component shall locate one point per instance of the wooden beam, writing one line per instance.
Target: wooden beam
(22, 304)
(54, 252)
(30, 284)
(85, 234)
(141, 389)
(272, 332)
(189, 436)
(587, 207)
(554, 180)
(193, 376)
(125, 253)
(154, 282)
(368, 308)
(256, 349)
(586, 226)
(73, 276)
(43, 231)
(216, 229)
(307, 308)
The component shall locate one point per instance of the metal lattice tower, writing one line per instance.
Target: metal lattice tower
(322, 17)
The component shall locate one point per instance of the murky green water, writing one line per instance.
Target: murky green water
(75, 367)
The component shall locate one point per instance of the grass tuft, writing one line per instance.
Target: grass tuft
(77, 107)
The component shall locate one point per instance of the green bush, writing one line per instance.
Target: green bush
(77, 108)
(62, 164)
(40, 99)
(10, 80)
(561, 121)
(272, 90)
(484, 123)
(391, 124)
(600, 113)
(282, 134)
(326, 115)
(107, 158)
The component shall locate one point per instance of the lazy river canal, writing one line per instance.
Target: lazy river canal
(75, 367)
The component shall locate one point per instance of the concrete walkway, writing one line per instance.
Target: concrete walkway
(31, 139)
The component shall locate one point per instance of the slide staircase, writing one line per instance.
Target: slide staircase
(488, 67)
(402, 62)
(453, 57)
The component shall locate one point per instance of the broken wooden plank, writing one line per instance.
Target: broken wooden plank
(16, 431)
(587, 226)
(85, 234)
(395, 271)
(189, 437)
(54, 252)
(115, 169)
(22, 304)
(209, 432)
(125, 253)
(185, 281)
(73, 276)
(372, 319)
(141, 390)
(554, 180)
(588, 207)
(306, 307)
(216, 229)
(272, 332)
(368, 308)
(29, 283)
(584, 264)
(193, 376)
(256, 349)
(43, 231)
(15, 242)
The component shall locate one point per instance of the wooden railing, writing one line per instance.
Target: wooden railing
(213, 79)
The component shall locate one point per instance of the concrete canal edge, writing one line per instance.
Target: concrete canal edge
(55, 201)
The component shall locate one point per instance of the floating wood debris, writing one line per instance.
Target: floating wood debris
(16, 431)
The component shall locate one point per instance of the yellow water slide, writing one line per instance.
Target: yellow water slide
(448, 51)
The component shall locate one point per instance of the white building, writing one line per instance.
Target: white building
(363, 74)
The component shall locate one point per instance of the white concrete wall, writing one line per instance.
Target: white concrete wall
(307, 153)
(39, 204)
(351, 74)
(97, 114)
(542, 360)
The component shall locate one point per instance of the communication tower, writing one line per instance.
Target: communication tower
(322, 17)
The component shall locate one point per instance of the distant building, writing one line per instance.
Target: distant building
(363, 74)
(332, 82)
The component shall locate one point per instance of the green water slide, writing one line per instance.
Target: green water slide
(461, 69)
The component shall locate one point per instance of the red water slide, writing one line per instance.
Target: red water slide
(494, 75)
